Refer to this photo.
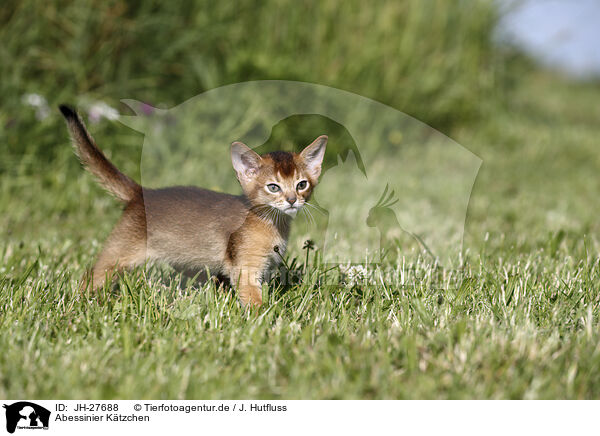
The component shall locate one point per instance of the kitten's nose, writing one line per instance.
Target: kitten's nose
(291, 200)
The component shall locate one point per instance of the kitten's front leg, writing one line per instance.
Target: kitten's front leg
(249, 251)
(247, 280)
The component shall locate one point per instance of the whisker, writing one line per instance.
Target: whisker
(262, 210)
(310, 216)
(306, 214)
(318, 209)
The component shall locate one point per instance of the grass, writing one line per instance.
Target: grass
(521, 327)
(514, 315)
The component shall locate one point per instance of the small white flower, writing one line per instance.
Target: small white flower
(39, 103)
(355, 274)
(34, 100)
(100, 110)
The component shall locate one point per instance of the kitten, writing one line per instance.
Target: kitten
(237, 237)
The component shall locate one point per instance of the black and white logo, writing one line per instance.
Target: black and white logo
(26, 415)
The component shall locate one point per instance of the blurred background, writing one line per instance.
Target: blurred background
(517, 83)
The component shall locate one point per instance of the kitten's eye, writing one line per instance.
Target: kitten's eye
(301, 186)
(272, 187)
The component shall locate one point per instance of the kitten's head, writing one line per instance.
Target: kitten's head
(279, 179)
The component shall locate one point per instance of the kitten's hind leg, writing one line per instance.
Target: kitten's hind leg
(117, 256)
(125, 248)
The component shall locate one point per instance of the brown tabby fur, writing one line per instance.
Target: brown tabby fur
(193, 228)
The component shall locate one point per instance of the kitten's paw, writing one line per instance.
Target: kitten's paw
(251, 297)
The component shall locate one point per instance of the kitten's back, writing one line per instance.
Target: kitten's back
(190, 225)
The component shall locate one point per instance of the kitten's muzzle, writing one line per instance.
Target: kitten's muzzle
(291, 200)
(291, 211)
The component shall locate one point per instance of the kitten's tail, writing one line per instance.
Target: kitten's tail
(113, 180)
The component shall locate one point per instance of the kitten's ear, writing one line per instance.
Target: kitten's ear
(313, 156)
(245, 161)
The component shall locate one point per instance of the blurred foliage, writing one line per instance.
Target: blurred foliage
(431, 59)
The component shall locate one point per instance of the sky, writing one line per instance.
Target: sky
(563, 34)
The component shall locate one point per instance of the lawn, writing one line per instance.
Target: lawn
(513, 314)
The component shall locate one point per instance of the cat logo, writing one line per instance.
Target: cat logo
(26, 415)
